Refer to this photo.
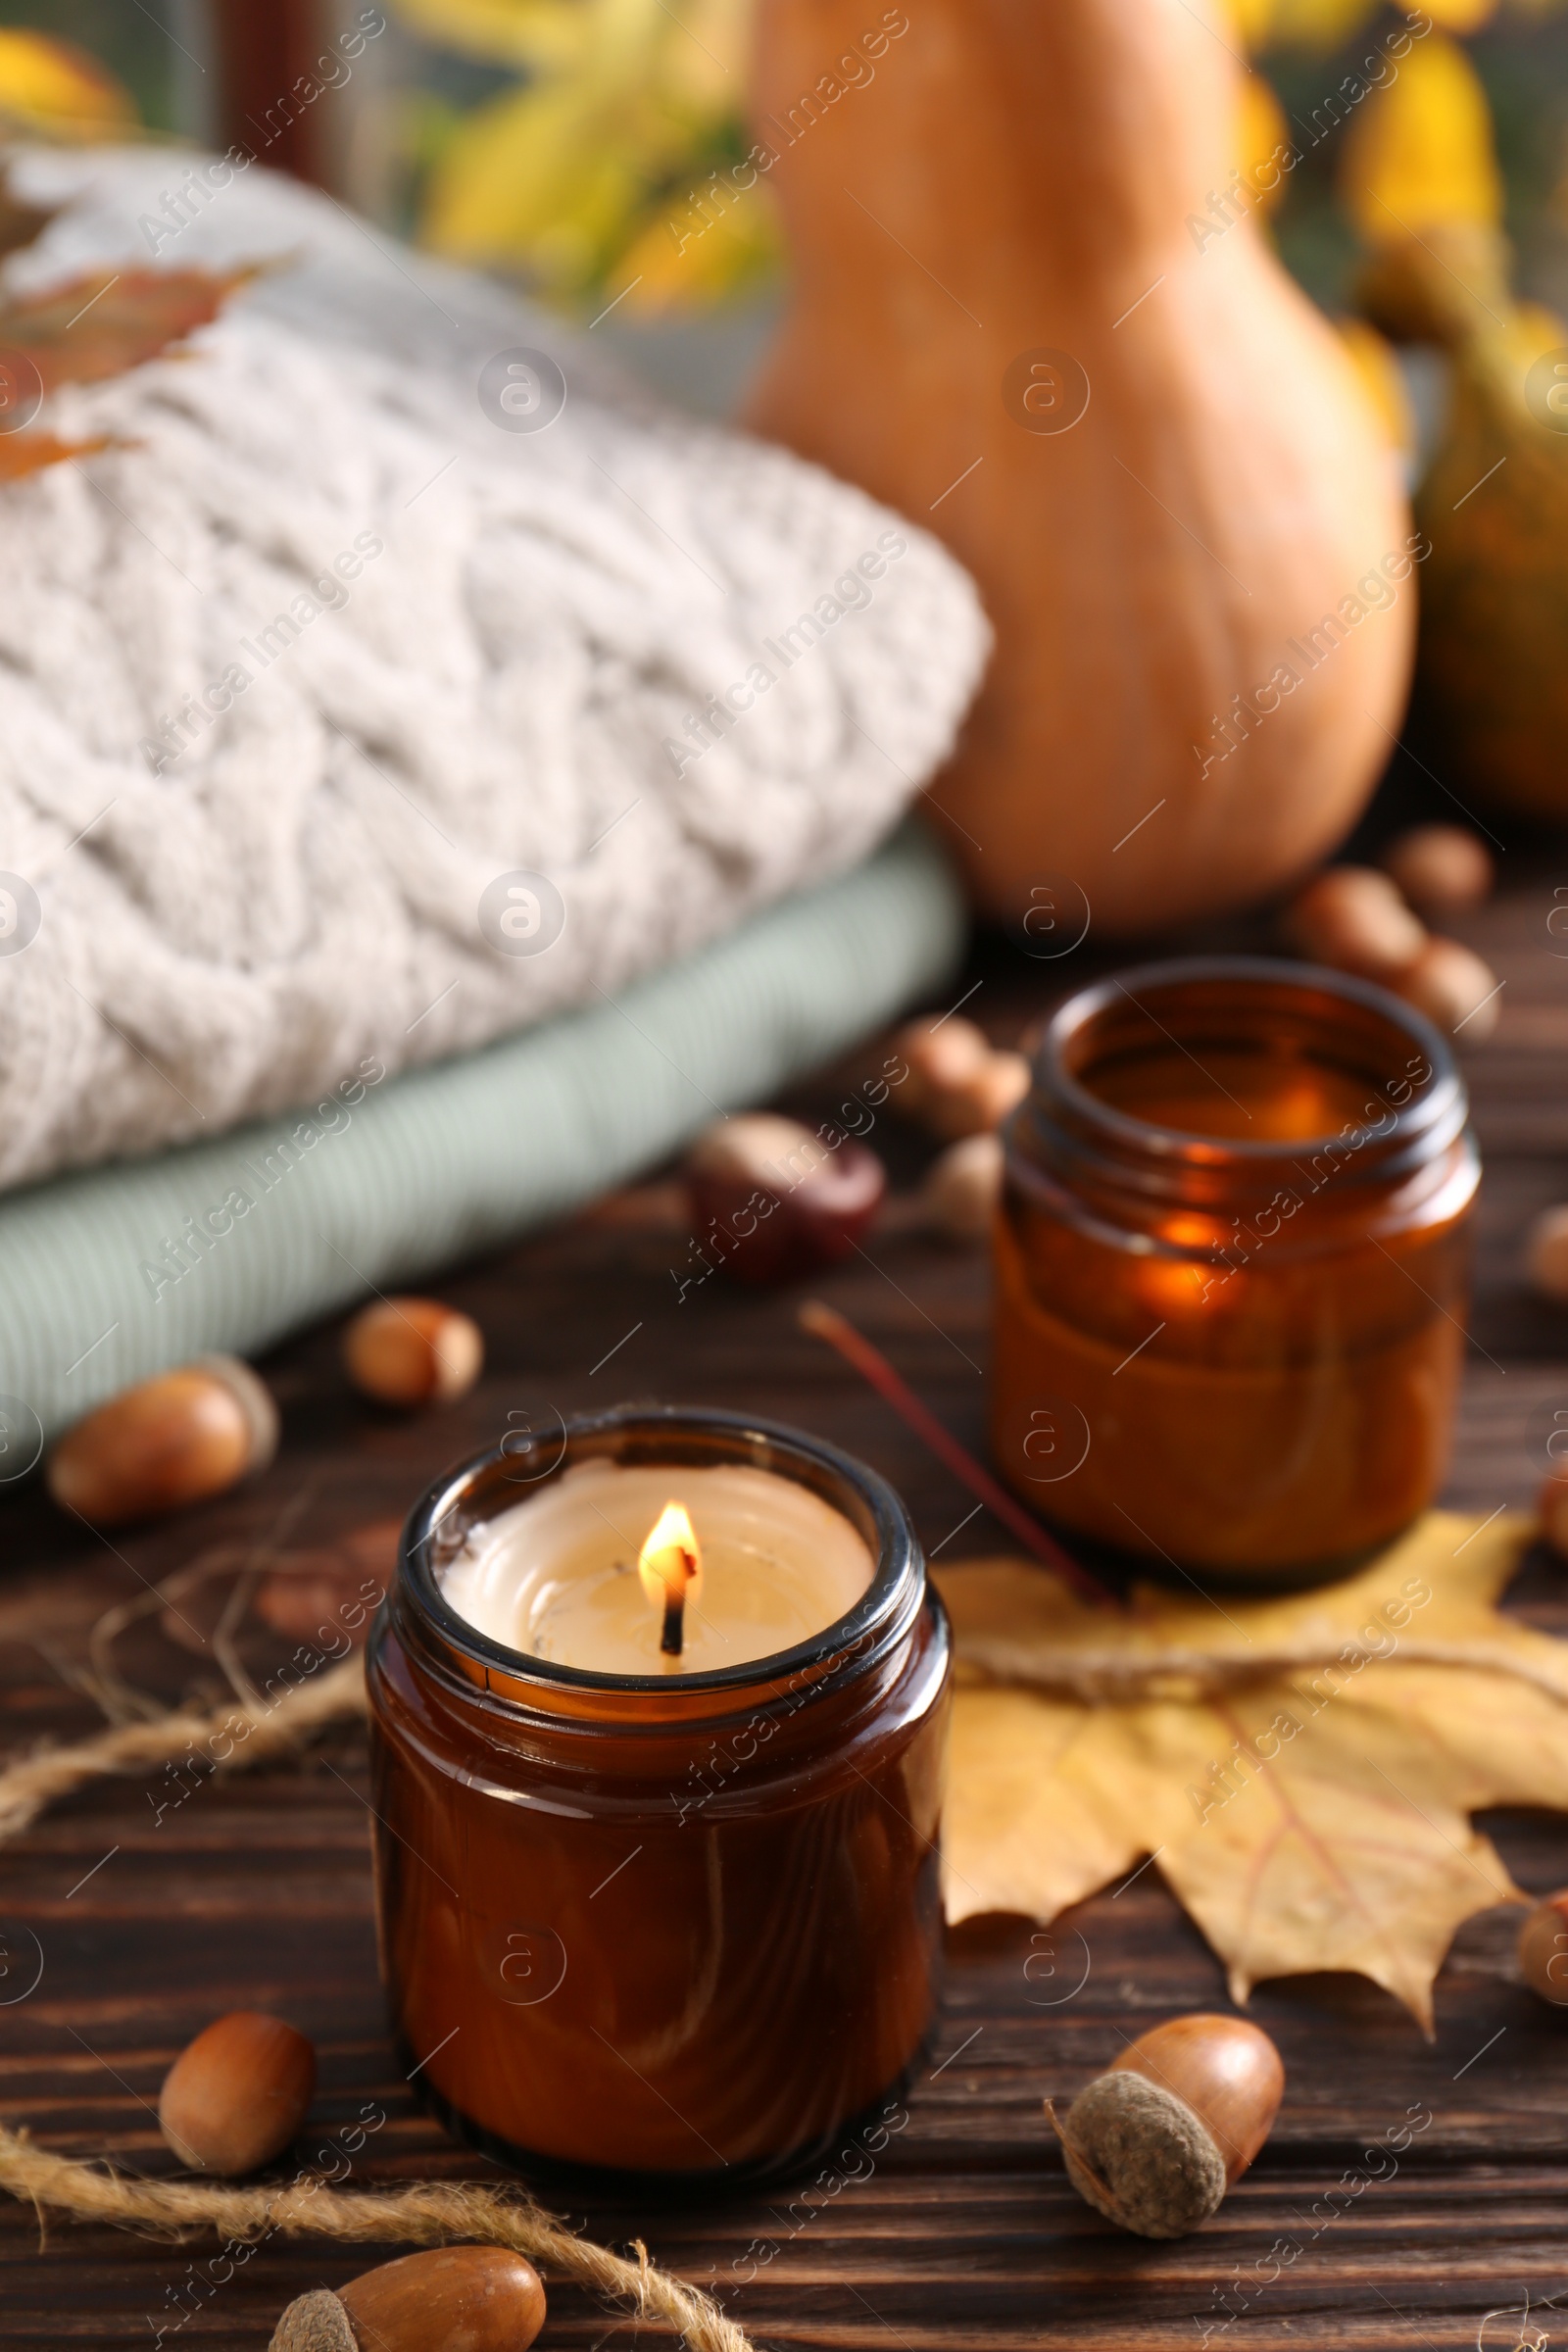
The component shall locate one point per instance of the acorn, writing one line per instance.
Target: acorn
(451, 2299)
(1543, 1948)
(771, 1201)
(1441, 869)
(1352, 918)
(1156, 2143)
(963, 1187)
(237, 2094)
(176, 1440)
(1454, 989)
(413, 1351)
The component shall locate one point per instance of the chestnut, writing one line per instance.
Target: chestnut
(772, 1200)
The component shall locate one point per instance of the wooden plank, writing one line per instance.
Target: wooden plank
(962, 2231)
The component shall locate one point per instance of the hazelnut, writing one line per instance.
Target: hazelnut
(1454, 989)
(1352, 918)
(943, 1055)
(1547, 1252)
(451, 2299)
(179, 1439)
(1552, 1510)
(980, 1105)
(413, 1351)
(1441, 869)
(771, 1201)
(1156, 2143)
(964, 1188)
(236, 2095)
(958, 1085)
(1543, 1948)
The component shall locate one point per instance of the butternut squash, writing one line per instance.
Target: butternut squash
(1492, 682)
(1201, 588)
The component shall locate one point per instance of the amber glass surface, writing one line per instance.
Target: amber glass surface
(1231, 1269)
(686, 1927)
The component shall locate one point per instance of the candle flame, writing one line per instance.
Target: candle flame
(672, 1560)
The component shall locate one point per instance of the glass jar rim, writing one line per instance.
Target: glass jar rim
(1436, 1112)
(653, 1433)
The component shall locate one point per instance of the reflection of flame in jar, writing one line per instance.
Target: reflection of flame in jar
(1177, 1285)
(670, 1565)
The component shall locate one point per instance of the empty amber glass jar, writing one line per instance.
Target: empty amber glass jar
(1231, 1269)
(683, 1928)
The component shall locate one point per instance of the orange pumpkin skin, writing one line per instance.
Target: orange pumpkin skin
(1021, 174)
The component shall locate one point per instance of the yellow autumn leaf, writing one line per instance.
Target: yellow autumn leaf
(1378, 373)
(56, 90)
(1324, 24)
(1252, 20)
(1343, 1856)
(1051, 1799)
(1494, 500)
(627, 105)
(1305, 1769)
(531, 181)
(699, 248)
(1262, 135)
(1460, 16)
(1533, 330)
(1318, 23)
(1419, 153)
(22, 454)
(704, 58)
(523, 34)
(690, 52)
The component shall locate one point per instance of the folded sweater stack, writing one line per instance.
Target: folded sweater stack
(346, 727)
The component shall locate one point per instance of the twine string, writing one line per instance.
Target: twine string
(421, 2214)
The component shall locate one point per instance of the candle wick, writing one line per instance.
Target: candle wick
(673, 1636)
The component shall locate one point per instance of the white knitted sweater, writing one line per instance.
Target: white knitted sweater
(502, 666)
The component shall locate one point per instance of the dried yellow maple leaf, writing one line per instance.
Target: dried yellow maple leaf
(80, 332)
(22, 454)
(112, 320)
(1302, 1769)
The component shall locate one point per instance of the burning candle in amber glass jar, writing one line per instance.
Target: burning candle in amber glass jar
(658, 1730)
(1231, 1269)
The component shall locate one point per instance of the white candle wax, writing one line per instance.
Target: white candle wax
(555, 1577)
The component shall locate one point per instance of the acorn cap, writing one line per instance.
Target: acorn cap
(316, 2323)
(1140, 2156)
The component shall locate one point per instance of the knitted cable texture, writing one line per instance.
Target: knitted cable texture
(322, 652)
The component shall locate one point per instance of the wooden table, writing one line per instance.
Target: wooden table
(256, 1891)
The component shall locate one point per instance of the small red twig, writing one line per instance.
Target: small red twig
(826, 1323)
